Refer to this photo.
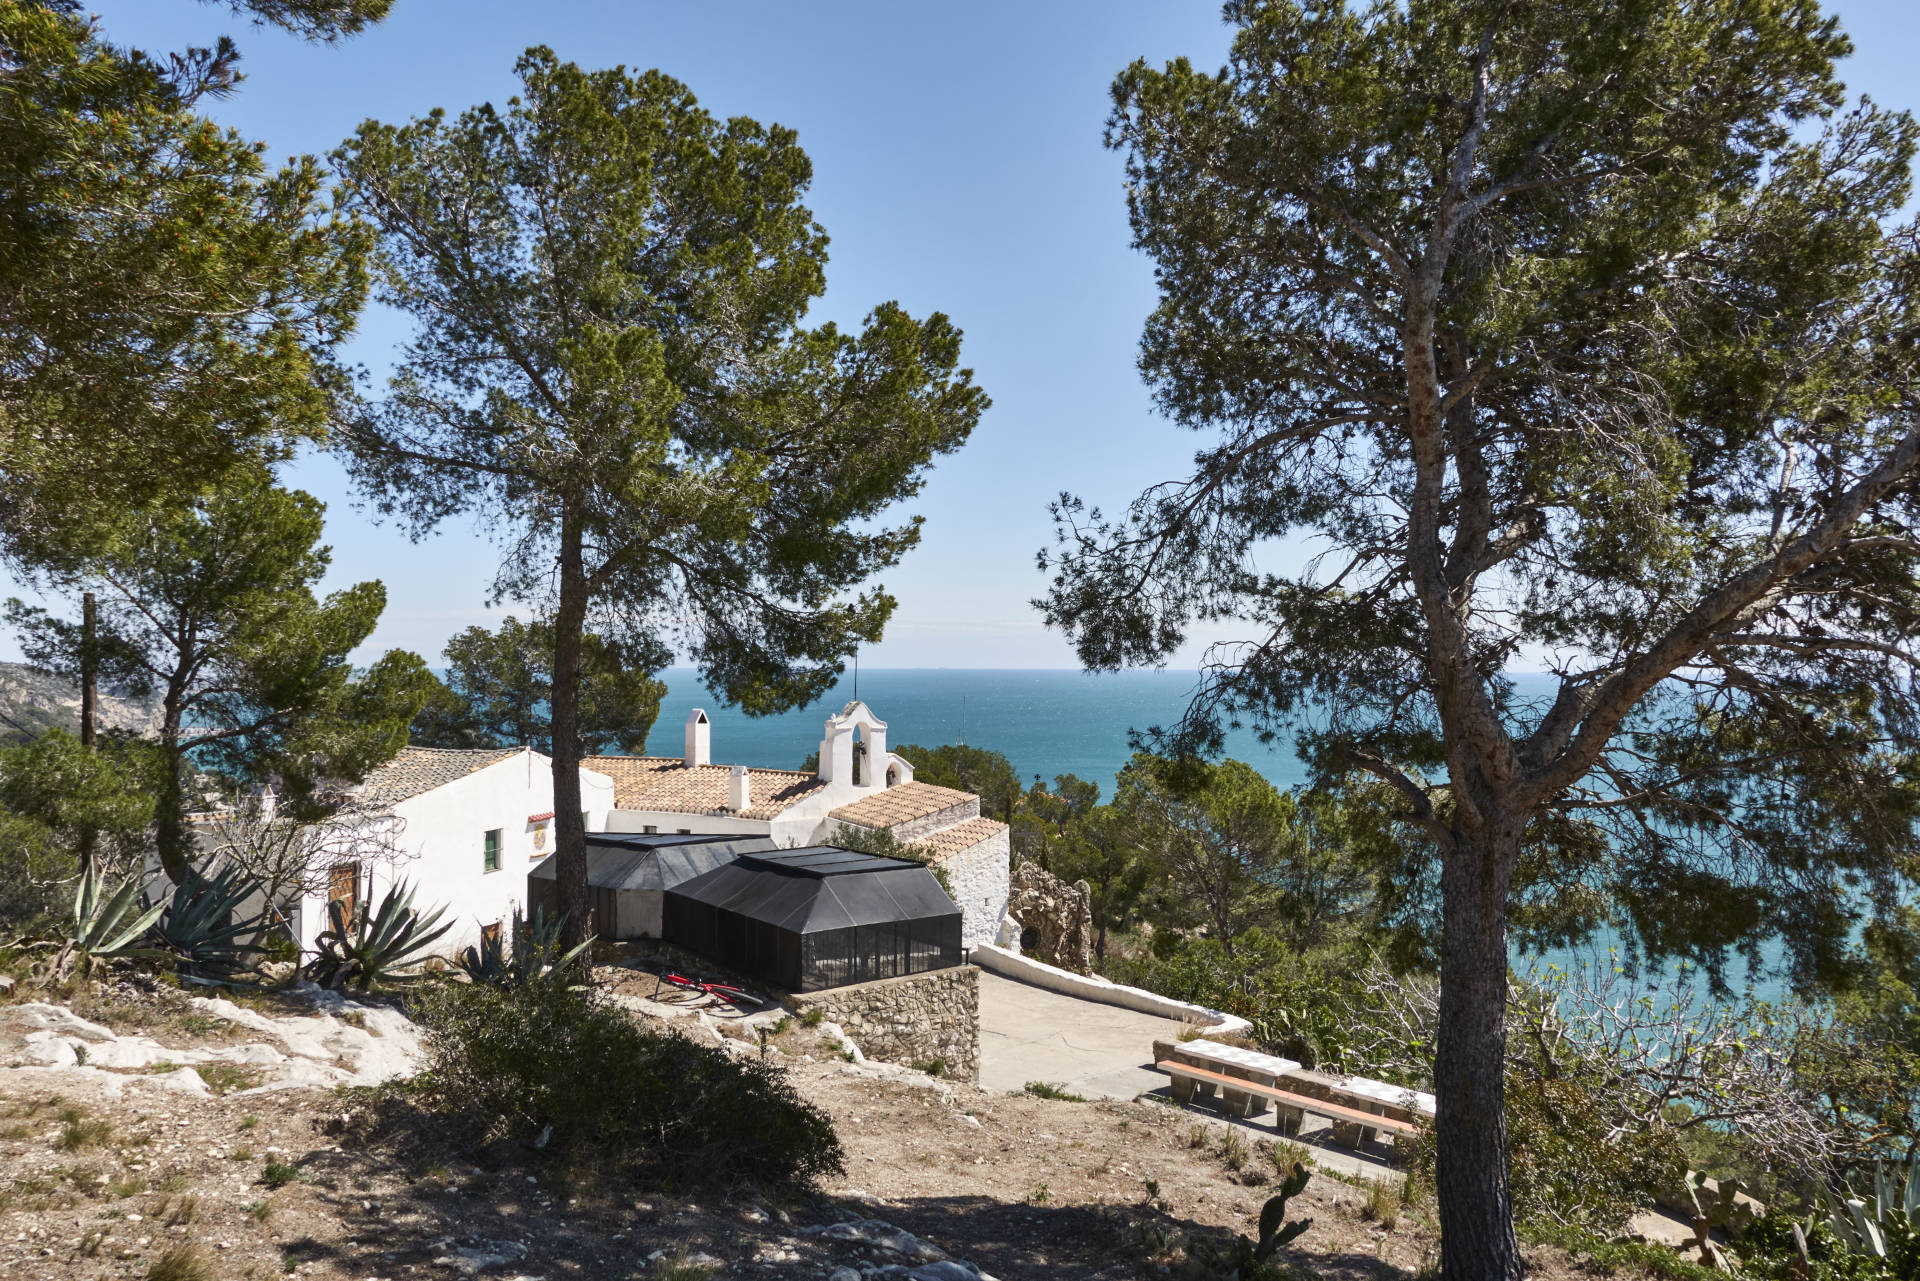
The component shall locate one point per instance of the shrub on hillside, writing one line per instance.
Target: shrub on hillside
(540, 1059)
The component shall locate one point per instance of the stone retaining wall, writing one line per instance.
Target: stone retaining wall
(913, 1020)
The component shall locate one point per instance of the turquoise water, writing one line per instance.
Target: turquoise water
(1045, 722)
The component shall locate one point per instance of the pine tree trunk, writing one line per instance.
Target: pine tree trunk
(570, 833)
(170, 828)
(89, 705)
(1477, 1241)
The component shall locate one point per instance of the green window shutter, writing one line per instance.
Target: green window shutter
(493, 850)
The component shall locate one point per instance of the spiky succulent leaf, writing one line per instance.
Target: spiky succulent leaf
(112, 927)
(202, 923)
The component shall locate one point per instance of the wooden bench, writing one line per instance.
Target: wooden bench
(1229, 1060)
(1351, 1126)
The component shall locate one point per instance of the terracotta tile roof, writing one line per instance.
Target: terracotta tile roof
(421, 769)
(949, 841)
(901, 804)
(668, 784)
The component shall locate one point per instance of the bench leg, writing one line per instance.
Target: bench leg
(1235, 1102)
(1181, 1088)
(1347, 1133)
(1287, 1119)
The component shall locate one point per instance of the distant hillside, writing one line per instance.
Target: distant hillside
(32, 703)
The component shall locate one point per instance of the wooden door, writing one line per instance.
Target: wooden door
(343, 887)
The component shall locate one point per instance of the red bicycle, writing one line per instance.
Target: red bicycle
(724, 992)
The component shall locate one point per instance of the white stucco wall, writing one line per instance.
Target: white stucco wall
(980, 879)
(670, 822)
(443, 833)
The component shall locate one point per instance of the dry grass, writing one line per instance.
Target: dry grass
(182, 1210)
(182, 1263)
(1287, 1153)
(1382, 1205)
(226, 1078)
(79, 1131)
(1233, 1150)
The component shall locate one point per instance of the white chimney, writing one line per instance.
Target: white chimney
(739, 790)
(699, 738)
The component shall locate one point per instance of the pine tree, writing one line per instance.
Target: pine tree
(609, 365)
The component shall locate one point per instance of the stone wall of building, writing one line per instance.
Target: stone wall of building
(977, 879)
(1056, 919)
(913, 1021)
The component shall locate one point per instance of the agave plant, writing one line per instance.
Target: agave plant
(378, 947)
(108, 927)
(533, 955)
(1879, 1225)
(202, 925)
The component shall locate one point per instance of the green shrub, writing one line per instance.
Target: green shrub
(1566, 1165)
(277, 1173)
(543, 1060)
(1870, 1236)
(1048, 1090)
(1605, 1257)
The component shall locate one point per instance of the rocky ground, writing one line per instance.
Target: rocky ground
(140, 1125)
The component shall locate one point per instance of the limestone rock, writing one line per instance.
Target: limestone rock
(1056, 919)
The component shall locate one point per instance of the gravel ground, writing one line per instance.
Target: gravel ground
(297, 1182)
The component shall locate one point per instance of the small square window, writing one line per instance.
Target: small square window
(650, 830)
(491, 859)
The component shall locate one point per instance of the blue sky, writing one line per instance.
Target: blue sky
(957, 166)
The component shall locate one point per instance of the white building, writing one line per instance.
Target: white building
(858, 784)
(465, 826)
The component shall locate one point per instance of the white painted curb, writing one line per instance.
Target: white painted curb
(1027, 970)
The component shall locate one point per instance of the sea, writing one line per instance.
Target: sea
(1054, 722)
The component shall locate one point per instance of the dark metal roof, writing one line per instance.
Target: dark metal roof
(813, 890)
(644, 861)
(827, 860)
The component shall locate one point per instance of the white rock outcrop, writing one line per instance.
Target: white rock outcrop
(343, 1042)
